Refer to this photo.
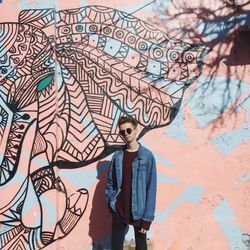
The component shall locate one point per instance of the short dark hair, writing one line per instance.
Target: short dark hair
(124, 119)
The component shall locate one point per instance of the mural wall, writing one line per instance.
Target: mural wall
(69, 70)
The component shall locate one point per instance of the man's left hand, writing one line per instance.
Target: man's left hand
(142, 230)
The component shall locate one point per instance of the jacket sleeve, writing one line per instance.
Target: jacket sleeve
(111, 181)
(151, 183)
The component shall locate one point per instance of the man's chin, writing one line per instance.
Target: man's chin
(128, 140)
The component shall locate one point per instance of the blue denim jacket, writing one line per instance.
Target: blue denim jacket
(143, 195)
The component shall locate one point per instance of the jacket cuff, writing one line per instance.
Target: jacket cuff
(145, 224)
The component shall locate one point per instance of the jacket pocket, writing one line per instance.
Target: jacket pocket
(142, 167)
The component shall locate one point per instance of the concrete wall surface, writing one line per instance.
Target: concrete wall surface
(70, 69)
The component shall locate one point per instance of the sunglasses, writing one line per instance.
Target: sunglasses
(123, 132)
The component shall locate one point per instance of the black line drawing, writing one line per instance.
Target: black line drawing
(66, 77)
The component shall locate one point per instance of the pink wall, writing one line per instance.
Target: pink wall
(202, 156)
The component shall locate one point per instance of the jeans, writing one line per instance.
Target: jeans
(118, 232)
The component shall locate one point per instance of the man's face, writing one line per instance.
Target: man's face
(128, 131)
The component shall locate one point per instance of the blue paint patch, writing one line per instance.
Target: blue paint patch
(3, 49)
(161, 177)
(177, 129)
(88, 124)
(3, 93)
(41, 162)
(81, 178)
(192, 194)
(160, 7)
(163, 161)
(209, 101)
(225, 217)
(154, 67)
(245, 178)
(38, 4)
(142, 6)
(145, 115)
(87, 177)
(174, 87)
(227, 142)
(51, 210)
(31, 202)
(59, 78)
(213, 95)
(19, 178)
(112, 46)
(115, 114)
(219, 28)
(245, 104)
(83, 3)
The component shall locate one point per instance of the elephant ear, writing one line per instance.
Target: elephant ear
(114, 64)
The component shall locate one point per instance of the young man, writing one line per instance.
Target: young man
(131, 187)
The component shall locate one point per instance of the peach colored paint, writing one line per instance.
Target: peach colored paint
(190, 225)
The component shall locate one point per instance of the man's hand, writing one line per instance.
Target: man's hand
(142, 230)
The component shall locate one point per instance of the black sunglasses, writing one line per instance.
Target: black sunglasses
(123, 132)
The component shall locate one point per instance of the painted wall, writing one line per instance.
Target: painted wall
(67, 74)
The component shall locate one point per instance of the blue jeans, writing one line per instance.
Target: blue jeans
(119, 229)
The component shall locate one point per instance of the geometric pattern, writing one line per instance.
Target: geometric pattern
(66, 77)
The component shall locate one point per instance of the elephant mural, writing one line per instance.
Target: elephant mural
(66, 77)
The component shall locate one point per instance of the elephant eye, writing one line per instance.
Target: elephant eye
(45, 82)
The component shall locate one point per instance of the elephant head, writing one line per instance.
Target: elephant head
(66, 78)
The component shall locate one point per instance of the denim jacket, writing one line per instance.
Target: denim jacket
(143, 196)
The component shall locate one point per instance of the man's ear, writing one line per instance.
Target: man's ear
(137, 129)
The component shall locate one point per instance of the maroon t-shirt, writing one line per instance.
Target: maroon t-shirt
(123, 203)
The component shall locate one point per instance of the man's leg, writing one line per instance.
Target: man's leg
(140, 240)
(117, 233)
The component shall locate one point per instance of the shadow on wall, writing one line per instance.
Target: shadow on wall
(100, 217)
(238, 54)
(223, 28)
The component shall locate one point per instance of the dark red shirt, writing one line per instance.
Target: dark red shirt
(123, 203)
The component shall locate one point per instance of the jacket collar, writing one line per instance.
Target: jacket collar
(140, 154)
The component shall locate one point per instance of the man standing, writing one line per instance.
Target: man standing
(131, 187)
